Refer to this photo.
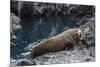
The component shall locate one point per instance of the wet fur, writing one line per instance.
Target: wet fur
(66, 39)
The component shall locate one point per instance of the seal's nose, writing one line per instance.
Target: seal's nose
(81, 36)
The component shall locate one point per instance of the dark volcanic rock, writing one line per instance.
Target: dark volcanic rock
(89, 30)
(39, 9)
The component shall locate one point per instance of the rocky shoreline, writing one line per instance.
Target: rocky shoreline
(83, 15)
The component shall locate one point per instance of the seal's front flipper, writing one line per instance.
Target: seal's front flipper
(84, 42)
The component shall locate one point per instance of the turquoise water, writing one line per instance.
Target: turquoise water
(35, 29)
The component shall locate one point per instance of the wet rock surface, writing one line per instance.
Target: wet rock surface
(62, 57)
(84, 16)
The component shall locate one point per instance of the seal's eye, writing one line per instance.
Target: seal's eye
(76, 34)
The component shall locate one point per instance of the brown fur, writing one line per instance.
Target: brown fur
(59, 42)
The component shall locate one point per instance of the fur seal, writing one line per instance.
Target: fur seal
(66, 39)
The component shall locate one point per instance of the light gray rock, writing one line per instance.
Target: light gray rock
(14, 27)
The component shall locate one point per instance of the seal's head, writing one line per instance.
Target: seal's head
(74, 34)
(78, 34)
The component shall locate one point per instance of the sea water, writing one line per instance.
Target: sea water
(36, 28)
